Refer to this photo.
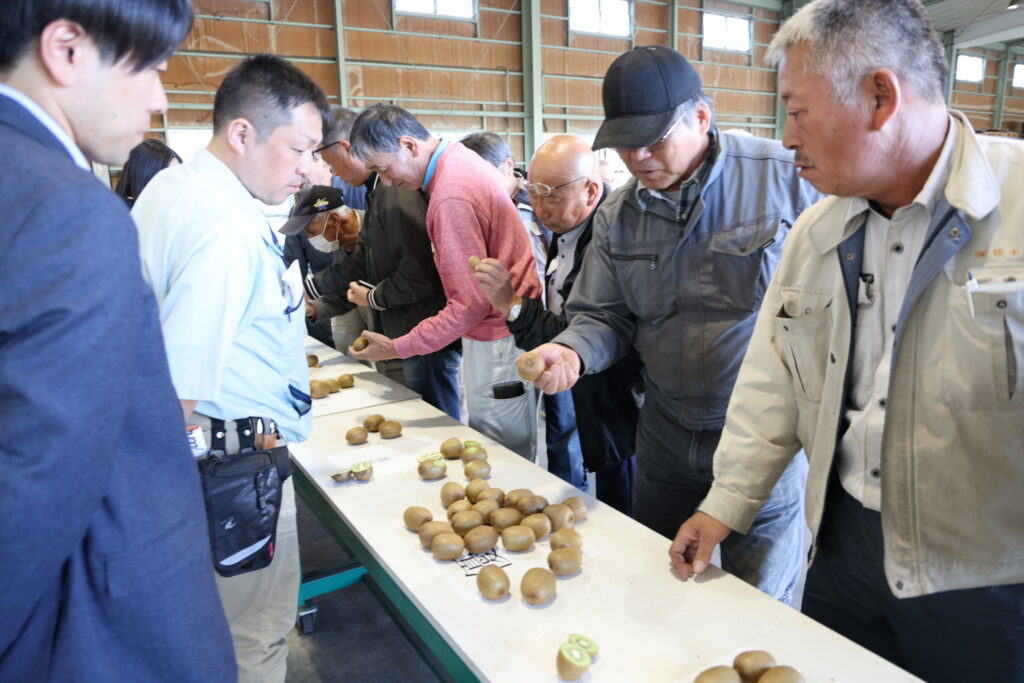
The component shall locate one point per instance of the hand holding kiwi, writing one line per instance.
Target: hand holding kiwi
(474, 261)
(360, 343)
(530, 366)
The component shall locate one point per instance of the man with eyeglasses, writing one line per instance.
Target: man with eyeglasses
(565, 195)
(680, 259)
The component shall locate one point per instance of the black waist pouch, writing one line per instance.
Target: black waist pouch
(242, 492)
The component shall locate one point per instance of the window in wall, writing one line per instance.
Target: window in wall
(723, 32)
(970, 68)
(610, 17)
(1018, 76)
(462, 9)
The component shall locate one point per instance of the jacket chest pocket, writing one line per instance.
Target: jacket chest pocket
(642, 275)
(742, 260)
(983, 355)
(805, 343)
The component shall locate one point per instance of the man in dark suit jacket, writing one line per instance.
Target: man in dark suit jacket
(100, 579)
(565, 190)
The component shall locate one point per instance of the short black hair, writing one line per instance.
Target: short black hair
(340, 126)
(378, 128)
(491, 146)
(147, 159)
(263, 90)
(143, 32)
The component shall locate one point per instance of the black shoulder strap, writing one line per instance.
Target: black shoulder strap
(218, 442)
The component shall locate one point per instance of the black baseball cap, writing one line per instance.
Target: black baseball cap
(641, 91)
(309, 203)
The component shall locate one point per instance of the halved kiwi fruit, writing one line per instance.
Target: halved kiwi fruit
(492, 582)
(363, 471)
(341, 476)
(356, 435)
(538, 586)
(415, 517)
(572, 662)
(589, 646)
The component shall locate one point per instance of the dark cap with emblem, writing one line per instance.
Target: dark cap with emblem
(309, 203)
(641, 91)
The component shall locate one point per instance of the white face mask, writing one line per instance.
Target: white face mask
(320, 243)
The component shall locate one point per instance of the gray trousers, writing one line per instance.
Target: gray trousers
(512, 422)
(261, 605)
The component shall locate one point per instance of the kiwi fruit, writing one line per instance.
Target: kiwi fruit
(480, 539)
(781, 674)
(363, 471)
(451, 448)
(475, 488)
(492, 582)
(447, 546)
(485, 506)
(573, 661)
(477, 469)
(428, 456)
(517, 538)
(560, 515)
(718, 674)
(318, 389)
(578, 507)
(539, 523)
(332, 386)
(497, 495)
(566, 538)
(463, 521)
(311, 360)
(533, 504)
(346, 380)
(356, 435)
(538, 586)
(341, 476)
(750, 665)
(372, 423)
(431, 529)
(415, 517)
(564, 561)
(530, 366)
(389, 429)
(589, 646)
(503, 518)
(433, 468)
(513, 496)
(451, 492)
(360, 343)
(473, 261)
(470, 453)
(458, 506)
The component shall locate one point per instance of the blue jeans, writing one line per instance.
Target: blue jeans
(435, 377)
(565, 457)
(674, 475)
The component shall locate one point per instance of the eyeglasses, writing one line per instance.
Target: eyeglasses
(542, 190)
(654, 146)
(317, 153)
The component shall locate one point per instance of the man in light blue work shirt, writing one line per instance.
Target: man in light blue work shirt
(233, 315)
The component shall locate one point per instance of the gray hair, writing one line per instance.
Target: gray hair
(848, 39)
(340, 126)
(488, 145)
(688, 108)
(378, 128)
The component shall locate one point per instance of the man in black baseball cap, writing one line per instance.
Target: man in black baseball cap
(309, 203)
(679, 262)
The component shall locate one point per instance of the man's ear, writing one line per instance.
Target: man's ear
(703, 114)
(241, 135)
(410, 143)
(64, 48)
(886, 96)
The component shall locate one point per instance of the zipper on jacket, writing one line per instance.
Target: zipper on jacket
(653, 258)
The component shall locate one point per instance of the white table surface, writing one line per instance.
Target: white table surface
(649, 625)
(370, 388)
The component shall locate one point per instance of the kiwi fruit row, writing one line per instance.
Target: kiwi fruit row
(321, 388)
(752, 666)
(575, 656)
(388, 429)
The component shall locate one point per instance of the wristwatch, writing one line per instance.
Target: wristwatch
(514, 313)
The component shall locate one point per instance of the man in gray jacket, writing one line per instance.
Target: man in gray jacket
(680, 259)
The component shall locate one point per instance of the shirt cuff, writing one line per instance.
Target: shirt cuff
(372, 300)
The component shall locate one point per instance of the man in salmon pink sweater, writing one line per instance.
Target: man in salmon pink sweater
(468, 214)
